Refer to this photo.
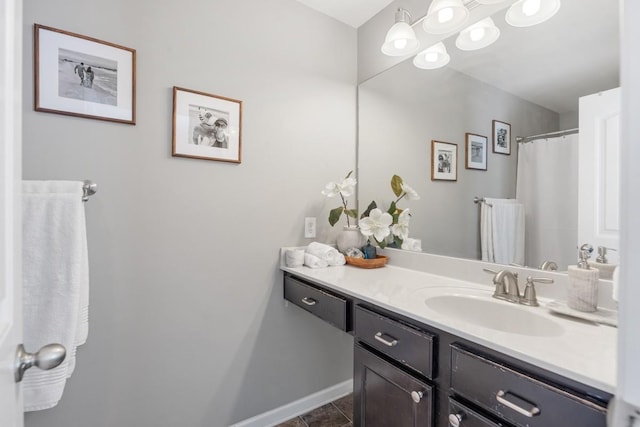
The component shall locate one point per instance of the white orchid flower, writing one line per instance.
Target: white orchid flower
(401, 229)
(376, 224)
(346, 188)
(410, 193)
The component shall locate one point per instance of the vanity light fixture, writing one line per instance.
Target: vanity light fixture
(401, 39)
(489, 1)
(479, 35)
(525, 13)
(444, 16)
(431, 58)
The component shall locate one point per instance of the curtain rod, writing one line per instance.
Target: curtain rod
(525, 139)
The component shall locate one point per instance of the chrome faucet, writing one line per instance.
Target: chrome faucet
(506, 285)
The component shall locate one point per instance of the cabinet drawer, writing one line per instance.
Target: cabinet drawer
(517, 397)
(463, 416)
(407, 345)
(329, 308)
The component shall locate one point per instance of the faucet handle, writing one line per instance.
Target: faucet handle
(532, 280)
(529, 297)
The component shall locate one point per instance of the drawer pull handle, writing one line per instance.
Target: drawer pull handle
(417, 396)
(309, 301)
(384, 341)
(456, 419)
(500, 397)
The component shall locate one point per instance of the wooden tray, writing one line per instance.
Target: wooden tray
(378, 262)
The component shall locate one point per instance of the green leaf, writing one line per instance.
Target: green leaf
(392, 209)
(382, 244)
(334, 215)
(371, 207)
(398, 241)
(396, 185)
(353, 213)
(348, 175)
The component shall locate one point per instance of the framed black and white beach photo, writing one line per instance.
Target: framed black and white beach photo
(206, 126)
(501, 137)
(444, 161)
(476, 151)
(81, 76)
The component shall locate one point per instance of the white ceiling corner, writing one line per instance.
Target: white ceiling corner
(351, 12)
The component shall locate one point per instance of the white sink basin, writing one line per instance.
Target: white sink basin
(479, 308)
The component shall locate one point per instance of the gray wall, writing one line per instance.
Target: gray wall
(187, 321)
(401, 111)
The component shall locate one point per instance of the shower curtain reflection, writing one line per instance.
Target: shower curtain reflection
(547, 185)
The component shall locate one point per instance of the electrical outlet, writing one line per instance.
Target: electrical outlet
(310, 227)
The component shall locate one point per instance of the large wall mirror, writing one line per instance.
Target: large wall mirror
(531, 78)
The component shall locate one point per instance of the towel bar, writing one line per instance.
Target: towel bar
(88, 189)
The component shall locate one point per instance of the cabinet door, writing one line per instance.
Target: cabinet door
(385, 395)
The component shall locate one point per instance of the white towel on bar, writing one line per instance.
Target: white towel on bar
(502, 231)
(55, 282)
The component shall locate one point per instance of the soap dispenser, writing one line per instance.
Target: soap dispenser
(583, 282)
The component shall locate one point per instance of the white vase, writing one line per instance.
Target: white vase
(349, 237)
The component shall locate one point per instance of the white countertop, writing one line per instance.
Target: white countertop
(583, 351)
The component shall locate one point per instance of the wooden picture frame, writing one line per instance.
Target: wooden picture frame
(444, 161)
(81, 76)
(206, 126)
(476, 151)
(501, 137)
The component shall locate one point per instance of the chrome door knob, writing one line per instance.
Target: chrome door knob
(48, 357)
(416, 396)
(455, 420)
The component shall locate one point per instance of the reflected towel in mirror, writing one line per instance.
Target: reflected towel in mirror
(502, 231)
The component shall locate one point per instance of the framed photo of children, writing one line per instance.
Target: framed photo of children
(444, 161)
(81, 76)
(501, 137)
(206, 126)
(476, 151)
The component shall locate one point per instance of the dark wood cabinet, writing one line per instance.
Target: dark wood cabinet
(387, 396)
(407, 373)
(518, 397)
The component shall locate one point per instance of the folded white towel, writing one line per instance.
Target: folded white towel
(410, 244)
(313, 261)
(294, 258)
(326, 253)
(55, 282)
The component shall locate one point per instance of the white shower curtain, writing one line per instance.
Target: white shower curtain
(547, 185)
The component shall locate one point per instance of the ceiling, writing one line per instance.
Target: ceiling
(351, 12)
(579, 45)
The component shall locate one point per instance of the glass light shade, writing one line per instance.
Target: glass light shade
(526, 13)
(400, 40)
(434, 57)
(445, 16)
(479, 35)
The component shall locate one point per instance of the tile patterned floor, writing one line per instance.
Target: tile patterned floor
(338, 413)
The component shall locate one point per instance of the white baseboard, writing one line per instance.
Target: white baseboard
(298, 407)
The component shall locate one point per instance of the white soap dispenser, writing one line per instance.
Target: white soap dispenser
(583, 282)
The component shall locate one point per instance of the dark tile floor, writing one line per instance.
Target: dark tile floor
(338, 413)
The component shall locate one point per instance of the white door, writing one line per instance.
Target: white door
(599, 172)
(10, 209)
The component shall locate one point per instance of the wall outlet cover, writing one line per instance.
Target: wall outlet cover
(310, 227)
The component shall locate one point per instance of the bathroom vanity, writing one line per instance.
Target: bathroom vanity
(421, 358)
